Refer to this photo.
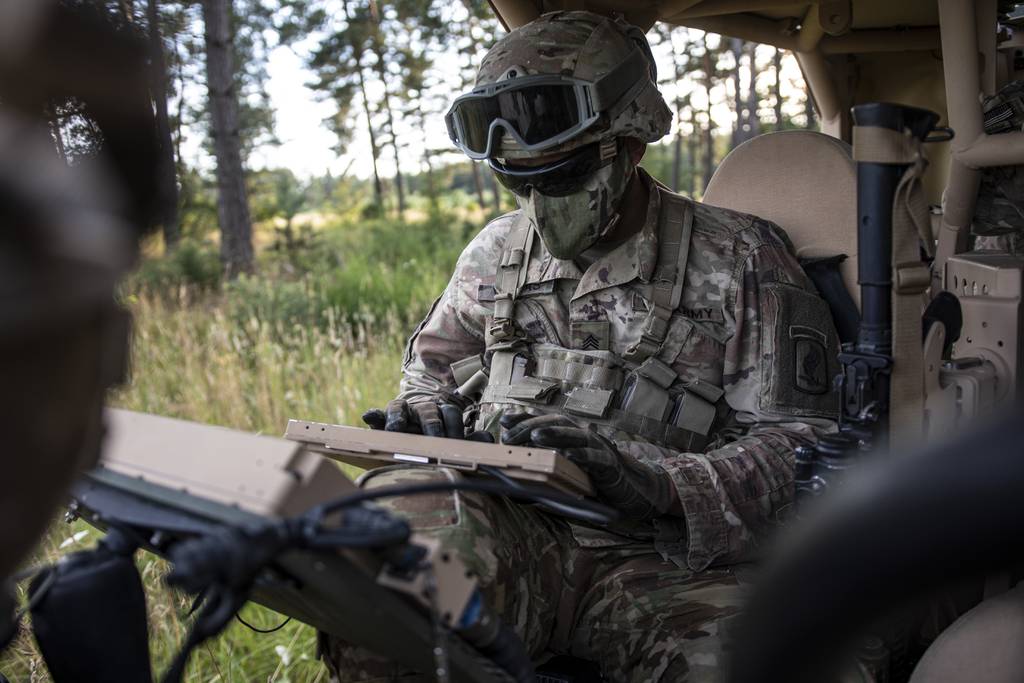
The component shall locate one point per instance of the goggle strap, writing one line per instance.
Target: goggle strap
(631, 74)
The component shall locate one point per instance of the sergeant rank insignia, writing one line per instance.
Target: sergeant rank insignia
(590, 336)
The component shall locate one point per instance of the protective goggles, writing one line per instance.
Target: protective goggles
(560, 178)
(543, 111)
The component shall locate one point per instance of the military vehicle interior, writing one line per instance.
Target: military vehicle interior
(956, 355)
(945, 56)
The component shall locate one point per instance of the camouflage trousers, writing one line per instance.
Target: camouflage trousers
(598, 596)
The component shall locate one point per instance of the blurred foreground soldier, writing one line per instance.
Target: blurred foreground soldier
(674, 351)
(67, 235)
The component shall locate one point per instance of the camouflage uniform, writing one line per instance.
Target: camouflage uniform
(999, 213)
(646, 601)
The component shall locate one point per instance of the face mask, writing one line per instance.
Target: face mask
(572, 224)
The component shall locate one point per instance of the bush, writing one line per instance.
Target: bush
(351, 278)
(193, 265)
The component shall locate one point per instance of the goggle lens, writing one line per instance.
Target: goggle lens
(536, 113)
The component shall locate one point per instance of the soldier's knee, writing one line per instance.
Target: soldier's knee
(347, 663)
(427, 511)
(465, 523)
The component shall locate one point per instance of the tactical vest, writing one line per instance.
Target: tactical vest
(636, 392)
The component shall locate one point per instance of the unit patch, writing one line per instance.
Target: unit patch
(811, 366)
(590, 336)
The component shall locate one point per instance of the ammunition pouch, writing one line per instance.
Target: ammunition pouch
(89, 615)
(648, 401)
(636, 393)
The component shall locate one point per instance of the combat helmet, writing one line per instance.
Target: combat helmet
(565, 80)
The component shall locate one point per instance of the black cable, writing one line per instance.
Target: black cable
(261, 630)
(218, 563)
(501, 476)
(584, 510)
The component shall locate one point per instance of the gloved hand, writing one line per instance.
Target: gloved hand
(639, 490)
(432, 418)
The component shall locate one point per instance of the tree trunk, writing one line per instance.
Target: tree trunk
(127, 9)
(677, 149)
(382, 74)
(738, 133)
(809, 124)
(709, 129)
(478, 183)
(435, 206)
(181, 107)
(158, 82)
(378, 188)
(777, 87)
(677, 157)
(753, 121)
(691, 154)
(236, 251)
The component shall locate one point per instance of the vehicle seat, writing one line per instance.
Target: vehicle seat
(804, 182)
(985, 644)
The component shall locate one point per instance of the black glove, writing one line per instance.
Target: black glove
(640, 490)
(432, 418)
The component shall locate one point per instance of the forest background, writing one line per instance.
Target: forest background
(272, 290)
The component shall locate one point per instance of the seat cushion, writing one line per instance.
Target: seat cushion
(803, 181)
(985, 644)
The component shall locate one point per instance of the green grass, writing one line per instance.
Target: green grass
(197, 363)
(318, 335)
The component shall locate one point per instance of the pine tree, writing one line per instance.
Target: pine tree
(710, 75)
(472, 35)
(776, 88)
(358, 64)
(753, 98)
(167, 170)
(677, 41)
(232, 204)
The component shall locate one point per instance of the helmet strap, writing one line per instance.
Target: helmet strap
(608, 149)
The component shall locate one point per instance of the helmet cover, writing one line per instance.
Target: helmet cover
(586, 46)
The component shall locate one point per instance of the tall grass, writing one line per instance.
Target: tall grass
(200, 363)
(210, 366)
(319, 335)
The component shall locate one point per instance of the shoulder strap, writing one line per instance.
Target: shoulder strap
(511, 275)
(675, 226)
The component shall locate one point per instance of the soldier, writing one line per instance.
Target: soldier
(674, 351)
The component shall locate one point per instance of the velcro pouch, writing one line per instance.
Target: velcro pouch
(463, 370)
(706, 390)
(693, 412)
(588, 402)
(532, 389)
(646, 390)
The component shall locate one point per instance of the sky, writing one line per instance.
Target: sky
(307, 145)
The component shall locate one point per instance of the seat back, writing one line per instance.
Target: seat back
(804, 182)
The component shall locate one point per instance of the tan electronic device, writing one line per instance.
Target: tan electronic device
(260, 474)
(373, 448)
(172, 480)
